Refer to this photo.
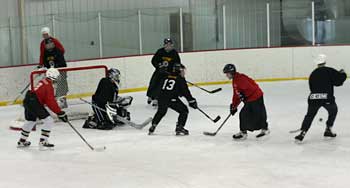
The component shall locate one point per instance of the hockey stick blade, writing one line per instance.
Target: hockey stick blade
(130, 123)
(215, 90)
(294, 131)
(222, 124)
(142, 125)
(100, 149)
(217, 119)
(209, 133)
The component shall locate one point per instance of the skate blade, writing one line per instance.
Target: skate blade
(328, 138)
(22, 147)
(298, 142)
(43, 148)
(181, 134)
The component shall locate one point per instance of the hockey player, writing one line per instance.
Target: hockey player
(253, 114)
(162, 61)
(106, 96)
(34, 103)
(172, 87)
(45, 31)
(321, 83)
(53, 57)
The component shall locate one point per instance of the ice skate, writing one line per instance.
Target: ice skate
(299, 138)
(263, 133)
(242, 135)
(152, 129)
(44, 145)
(181, 131)
(328, 133)
(23, 144)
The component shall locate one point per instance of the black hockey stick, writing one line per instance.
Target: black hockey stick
(92, 148)
(294, 131)
(20, 93)
(212, 91)
(214, 133)
(214, 120)
(132, 124)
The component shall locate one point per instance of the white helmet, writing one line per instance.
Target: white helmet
(320, 59)
(45, 30)
(52, 73)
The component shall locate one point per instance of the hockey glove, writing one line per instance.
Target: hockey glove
(193, 104)
(232, 110)
(62, 116)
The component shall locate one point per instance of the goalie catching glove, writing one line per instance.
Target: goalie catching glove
(62, 116)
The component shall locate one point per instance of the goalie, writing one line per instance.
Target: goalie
(107, 106)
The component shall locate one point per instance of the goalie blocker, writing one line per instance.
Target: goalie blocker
(107, 104)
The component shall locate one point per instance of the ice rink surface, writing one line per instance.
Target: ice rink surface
(134, 159)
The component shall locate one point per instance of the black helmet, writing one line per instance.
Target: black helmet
(168, 41)
(229, 68)
(114, 74)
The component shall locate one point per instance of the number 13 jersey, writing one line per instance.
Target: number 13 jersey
(174, 86)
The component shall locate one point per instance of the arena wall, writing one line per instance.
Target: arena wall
(204, 67)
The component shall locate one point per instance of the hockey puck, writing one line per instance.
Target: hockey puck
(320, 119)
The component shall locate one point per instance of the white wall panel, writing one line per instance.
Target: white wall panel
(202, 66)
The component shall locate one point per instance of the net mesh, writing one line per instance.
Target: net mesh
(72, 84)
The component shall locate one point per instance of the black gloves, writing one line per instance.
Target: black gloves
(232, 110)
(63, 116)
(193, 104)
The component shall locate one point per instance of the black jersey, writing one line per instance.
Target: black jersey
(322, 81)
(56, 57)
(162, 56)
(173, 87)
(107, 91)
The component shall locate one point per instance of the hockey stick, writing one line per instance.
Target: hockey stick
(20, 93)
(211, 92)
(92, 148)
(294, 131)
(132, 124)
(213, 120)
(214, 133)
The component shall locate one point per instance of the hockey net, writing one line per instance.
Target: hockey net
(72, 84)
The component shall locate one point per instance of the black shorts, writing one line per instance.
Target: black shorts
(33, 109)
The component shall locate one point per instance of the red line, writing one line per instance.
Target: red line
(66, 69)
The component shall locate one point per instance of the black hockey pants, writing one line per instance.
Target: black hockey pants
(253, 116)
(175, 104)
(33, 109)
(312, 110)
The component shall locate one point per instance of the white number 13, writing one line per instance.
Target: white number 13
(168, 85)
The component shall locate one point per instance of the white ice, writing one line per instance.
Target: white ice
(134, 159)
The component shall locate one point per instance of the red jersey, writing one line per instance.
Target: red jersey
(42, 49)
(244, 89)
(45, 94)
